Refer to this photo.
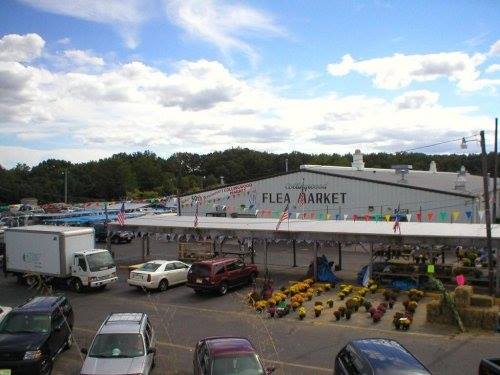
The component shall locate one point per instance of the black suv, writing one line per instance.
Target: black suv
(33, 334)
(119, 236)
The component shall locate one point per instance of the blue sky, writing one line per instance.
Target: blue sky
(81, 80)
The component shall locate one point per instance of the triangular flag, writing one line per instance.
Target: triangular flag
(430, 215)
(481, 214)
(337, 216)
(367, 217)
(442, 215)
(455, 215)
(256, 212)
(430, 268)
(328, 216)
(297, 215)
(419, 216)
(346, 216)
(408, 217)
(377, 217)
(468, 214)
(387, 217)
(320, 216)
(354, 217)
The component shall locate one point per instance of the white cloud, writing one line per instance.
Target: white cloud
(495, 48)
(493, 68)
(79, 57)
(416, 99)
(64, 41)
(124, 15)
(399, 71)
(14, 47)
(222, 24)
(202, 106)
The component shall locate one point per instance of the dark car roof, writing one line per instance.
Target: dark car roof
(388, 357)
(223, 346)
(40, 304)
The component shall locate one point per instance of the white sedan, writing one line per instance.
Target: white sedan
(159, 274)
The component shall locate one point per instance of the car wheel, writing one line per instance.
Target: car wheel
(163, 286)
(77, 286)
(252, 278)
(69, 342)
(223, 289)
(46, 367)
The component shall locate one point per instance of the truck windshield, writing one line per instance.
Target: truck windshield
(25, 323)
(100, 261)
(117, 345)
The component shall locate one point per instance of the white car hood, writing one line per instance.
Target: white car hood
(113, 366)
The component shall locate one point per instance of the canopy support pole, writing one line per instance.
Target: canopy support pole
(143, 248)
(315, 264)
(340, 256)
(294, 247)
(266, 244)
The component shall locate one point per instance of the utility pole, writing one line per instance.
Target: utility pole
(66, 186)
(495, 217)
(487, 213)
(495, 173)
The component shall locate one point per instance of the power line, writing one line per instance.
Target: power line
(463, 139)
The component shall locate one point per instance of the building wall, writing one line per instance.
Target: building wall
(327, 197)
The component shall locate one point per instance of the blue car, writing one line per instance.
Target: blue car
(376, 357)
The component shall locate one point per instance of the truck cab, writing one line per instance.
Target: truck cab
(93, 269)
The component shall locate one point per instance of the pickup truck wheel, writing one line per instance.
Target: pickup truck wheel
(163, 286)
(77, 285)
(223, 289)
(46, 367)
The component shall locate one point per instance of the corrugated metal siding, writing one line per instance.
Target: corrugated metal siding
(337, 196)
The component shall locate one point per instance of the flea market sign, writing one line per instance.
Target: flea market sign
(300, 193)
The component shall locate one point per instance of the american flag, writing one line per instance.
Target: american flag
(396, 226)
(302, 196)
(196, 214)
(121, 215)
(285, 215)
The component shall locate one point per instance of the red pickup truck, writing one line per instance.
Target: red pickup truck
(220, 274)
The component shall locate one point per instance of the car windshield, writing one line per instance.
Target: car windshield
(18, 323)
(241, 365)
(151, 267)
(100, 261)
(202, 270)
(117, 345)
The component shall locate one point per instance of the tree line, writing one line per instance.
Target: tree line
(146, 175)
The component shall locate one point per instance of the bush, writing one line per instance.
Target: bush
(337, 315)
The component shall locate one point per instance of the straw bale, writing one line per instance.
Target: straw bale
(462, 295)
(481, 300)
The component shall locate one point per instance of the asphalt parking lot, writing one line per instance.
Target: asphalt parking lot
(181, 317)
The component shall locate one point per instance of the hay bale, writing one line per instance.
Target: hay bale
(472, 317)
(490, 317)
(433, 310)
(481, 301)
(462, 295)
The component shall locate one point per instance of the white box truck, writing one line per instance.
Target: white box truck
(60, 253)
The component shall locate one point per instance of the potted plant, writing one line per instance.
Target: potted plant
(391, 304)
(317, 310)
(318, 303)
(373, 288)
(341, 296)
(337, 315)
(377, 316)
(367, 305)
(348, 314)
(272, 311)
(329, 302)
(302, 313)
(342, 310)
(412, 306)
(309, 296)
(327, 287)
(295, 305)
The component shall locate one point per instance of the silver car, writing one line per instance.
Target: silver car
(124, 344)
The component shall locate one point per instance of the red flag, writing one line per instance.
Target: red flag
(430, 215)
(354, 217)
(121, 215)
(367, 217)
(285, 215)
(419, 216)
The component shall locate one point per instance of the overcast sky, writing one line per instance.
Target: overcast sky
(80, 80)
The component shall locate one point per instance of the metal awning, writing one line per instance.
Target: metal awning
(312, 230)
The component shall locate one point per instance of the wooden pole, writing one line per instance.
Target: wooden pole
(340, 256)
(294, 244)
(315, 264)
(495, 173)
(487, 211)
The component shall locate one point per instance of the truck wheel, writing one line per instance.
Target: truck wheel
(46, 367)
(163, 286)
(77, 285)
(223, 289)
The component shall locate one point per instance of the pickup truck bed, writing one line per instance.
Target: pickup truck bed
(490, 366)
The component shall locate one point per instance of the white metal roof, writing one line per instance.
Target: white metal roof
(328, 230)
(442, 181)
(50, 229)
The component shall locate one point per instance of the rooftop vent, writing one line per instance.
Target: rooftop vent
(402, 170)
(433, 167)
(357, 161)
(461, 180)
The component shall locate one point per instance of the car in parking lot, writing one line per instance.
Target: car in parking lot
(117, 237)
(227, 355)
(220, 274)
(125, 344)
(159, 274)
(377, 357)
(33, 334)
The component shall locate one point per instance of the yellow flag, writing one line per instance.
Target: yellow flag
(328, 216)
(455, 215)
(387, 217)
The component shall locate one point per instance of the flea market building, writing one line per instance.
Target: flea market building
(348, 193)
